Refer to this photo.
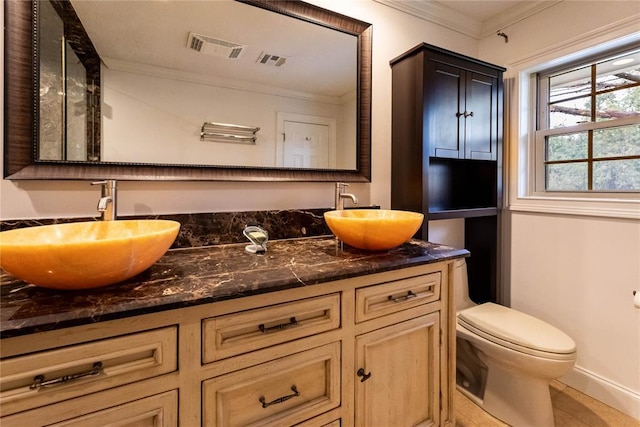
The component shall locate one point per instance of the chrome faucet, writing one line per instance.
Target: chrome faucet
(341, 195)
(108, 203)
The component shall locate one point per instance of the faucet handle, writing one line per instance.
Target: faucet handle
(341, 186)
(108, 186)
(106, 182)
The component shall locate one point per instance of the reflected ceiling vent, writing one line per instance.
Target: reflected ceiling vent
(271, 59)
(214, 47)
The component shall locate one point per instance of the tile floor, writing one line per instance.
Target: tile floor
(570, 409)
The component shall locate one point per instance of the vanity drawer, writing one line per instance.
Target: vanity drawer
(391, 297)
(285, 391)
(238, 333)
(159, 410)
(47, 377)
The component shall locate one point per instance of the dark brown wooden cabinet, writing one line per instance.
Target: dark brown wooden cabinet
(447, 150)
(461, 112)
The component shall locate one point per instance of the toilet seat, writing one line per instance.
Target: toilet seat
(517, 331)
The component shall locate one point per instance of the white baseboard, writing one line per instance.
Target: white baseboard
(619, 397)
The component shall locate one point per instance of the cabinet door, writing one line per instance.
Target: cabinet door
(461, 113)
(444, 100)
(397, 374)
(481, 117)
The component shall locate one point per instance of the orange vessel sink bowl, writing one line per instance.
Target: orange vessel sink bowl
(85, 255)
(373, 229)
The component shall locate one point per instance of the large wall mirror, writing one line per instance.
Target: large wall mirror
(195, 90)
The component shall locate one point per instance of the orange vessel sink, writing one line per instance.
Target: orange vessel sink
(85, 255)
(373, 229)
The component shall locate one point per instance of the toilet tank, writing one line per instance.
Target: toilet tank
(461, 285)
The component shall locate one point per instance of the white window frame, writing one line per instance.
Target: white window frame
(520, 147)
(541, 134)
(539, 147)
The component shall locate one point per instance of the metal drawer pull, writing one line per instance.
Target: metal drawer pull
(402, 297)
(294, 389)
(264, 330)
(39, 382)
(362, 374)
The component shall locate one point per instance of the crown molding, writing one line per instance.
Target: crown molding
(438, 14)
(514, 15)
(456, 21)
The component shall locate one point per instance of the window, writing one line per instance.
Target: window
(588, 126)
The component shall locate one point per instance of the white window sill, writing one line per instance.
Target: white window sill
(609, 208)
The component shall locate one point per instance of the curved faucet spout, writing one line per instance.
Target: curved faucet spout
(108, 202)
(353, 197)
(103, 203)
(341, 195)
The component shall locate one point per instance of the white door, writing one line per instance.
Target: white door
(305, 145)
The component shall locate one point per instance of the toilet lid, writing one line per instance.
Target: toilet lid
(499, 323)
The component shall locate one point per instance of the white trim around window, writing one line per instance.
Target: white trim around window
(520, 143)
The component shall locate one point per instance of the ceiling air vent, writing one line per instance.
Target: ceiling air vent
(214, 47)
(271, 59)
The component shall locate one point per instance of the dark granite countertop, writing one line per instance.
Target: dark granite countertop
(187, 277)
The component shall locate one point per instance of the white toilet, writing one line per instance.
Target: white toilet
(506, 359)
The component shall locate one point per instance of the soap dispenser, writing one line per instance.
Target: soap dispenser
(258, 236)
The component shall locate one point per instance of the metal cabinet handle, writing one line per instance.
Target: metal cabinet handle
(264, 330)
(295, 391)
(402, 297)
(465, 114)
(39, 382)
(363, 375)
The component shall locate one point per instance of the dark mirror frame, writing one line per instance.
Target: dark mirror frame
(20, 104)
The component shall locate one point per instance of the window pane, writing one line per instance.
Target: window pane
(566, 177)
(618, 104)
(616, 175)
(573, 84)
(617, 141)
(567, 147)
(570, 113)
(620, 71)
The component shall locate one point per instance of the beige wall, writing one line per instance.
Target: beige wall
(591, 305)
(574, 271)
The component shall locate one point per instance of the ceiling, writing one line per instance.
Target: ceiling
(475, 18)
(484, 10)
(153, 38)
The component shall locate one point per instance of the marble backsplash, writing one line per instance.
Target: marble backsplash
(218, 228)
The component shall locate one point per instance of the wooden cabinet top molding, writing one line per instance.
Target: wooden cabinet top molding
(438, 51)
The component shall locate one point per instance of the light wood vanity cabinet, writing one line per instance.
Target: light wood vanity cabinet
(374, 350)
(398, 368)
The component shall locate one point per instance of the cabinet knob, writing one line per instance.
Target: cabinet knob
(469, 114)
(458, 114)
(363, 375)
